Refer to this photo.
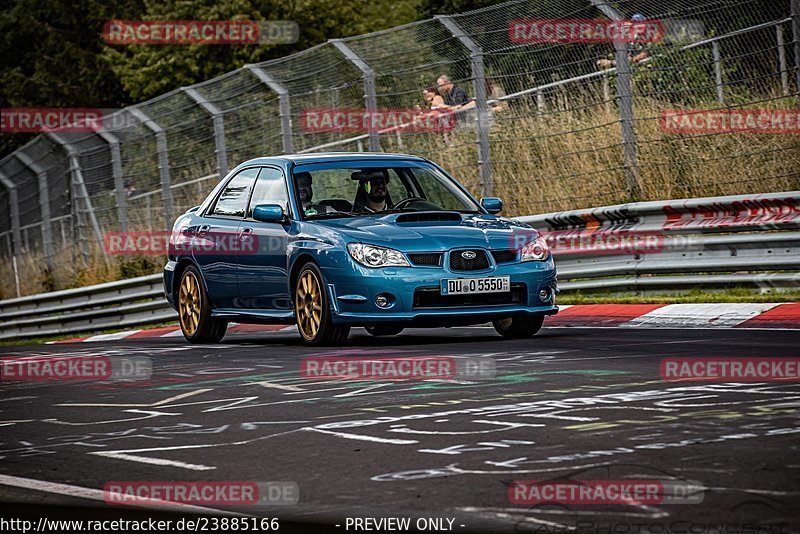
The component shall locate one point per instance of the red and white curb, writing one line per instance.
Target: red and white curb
(729, 315)
(732, 315)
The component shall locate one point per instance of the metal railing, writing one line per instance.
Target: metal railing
(739, 241)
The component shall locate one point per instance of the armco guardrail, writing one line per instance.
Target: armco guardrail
(125, 303)
(723, 241)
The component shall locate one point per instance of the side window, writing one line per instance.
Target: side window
(233, 200)
(270, 189)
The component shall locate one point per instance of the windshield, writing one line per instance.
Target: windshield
(345, 190)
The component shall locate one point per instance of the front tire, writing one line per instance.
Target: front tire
(518, 327)
(194, 310)
(313, 311)
(383, 330)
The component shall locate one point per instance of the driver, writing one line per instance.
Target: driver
(373, 194)
(306, 192)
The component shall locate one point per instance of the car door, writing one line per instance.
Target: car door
(262, 260)
(215, 238)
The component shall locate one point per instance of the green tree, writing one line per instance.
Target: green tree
(50, 55)
(149, 70)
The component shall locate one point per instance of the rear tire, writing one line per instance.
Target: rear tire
(194, 310)
(313, 312)
(383, 330)
(518, 327)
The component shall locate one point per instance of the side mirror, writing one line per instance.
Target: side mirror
(268, 213)
(492, 204)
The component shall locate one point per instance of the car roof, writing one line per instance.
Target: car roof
(324, 157)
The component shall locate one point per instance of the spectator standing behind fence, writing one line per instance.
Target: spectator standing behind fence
(493, 92)
(433, 98)
(637, 50)
(454, 96)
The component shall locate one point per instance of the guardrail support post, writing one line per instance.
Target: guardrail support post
(218, 119)
(370, 97)
(283, 103)
(782, 63)
(479, 90)
(79, 189)
(163, 162)
(796, 35)
(119, 184)
(625, 95)
(44, 205)
(13, 201)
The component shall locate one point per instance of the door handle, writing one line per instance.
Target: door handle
(203, 229)
(246, 233)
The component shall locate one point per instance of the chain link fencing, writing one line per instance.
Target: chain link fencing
(552, 123)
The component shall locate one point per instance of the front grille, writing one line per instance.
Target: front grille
(431, 297)
(504, 256)
(459, 263)
(433, 259)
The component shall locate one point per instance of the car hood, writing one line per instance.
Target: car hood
(432, 231)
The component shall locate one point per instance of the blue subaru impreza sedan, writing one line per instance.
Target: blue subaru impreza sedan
(331, 241)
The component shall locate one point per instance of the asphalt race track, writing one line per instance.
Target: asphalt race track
(571, 403)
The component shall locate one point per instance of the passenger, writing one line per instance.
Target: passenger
(306, 193)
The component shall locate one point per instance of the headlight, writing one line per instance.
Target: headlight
(536, 250)
(374, 256)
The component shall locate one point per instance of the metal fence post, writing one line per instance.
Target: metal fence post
(163, 162)
(13, 202)
(625, 95)
(715, 52)
(479, 90)
(44, 206)
(283, 103)
(782, 64)
(796, 35)
(119, 184)
(370, 97)
(80, 186)
(218, 119)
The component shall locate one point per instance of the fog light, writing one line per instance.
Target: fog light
(544, 295)
(382, 301)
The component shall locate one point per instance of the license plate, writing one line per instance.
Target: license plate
(466, 286)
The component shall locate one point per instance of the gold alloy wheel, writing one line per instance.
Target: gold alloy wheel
(189, 303)
(308, 305)
(505, 323)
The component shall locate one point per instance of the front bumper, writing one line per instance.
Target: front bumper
(353, 291)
